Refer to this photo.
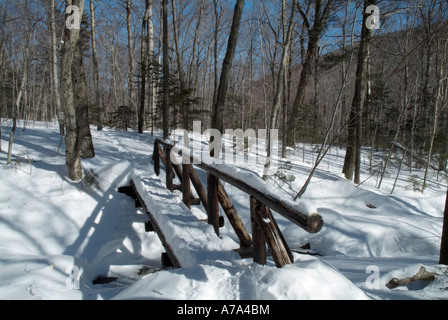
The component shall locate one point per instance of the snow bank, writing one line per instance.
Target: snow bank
(57, 236)
(367, 223)
(38, 277)
(307, 278)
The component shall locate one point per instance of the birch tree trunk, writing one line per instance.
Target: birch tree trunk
(151, 68)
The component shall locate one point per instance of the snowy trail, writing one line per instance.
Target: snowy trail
(57, 236)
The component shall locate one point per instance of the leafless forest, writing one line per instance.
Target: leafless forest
(322, 71)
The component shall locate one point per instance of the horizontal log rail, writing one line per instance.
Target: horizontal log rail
(265, 230)
(310, 222)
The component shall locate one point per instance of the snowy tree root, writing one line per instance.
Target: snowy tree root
(422, 275)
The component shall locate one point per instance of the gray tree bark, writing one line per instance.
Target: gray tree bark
(166, 70)
(86, 149)
(96, 75)
(444, 243)
(144, 65)
(73, 159)
(321, 17)
(279, 91)
(352, 163)
(55, 69)
(218, 108)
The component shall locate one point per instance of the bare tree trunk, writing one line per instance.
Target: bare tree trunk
(192, 73)
(279, 89)
(166, 70)
(180, 63)
(217, 115)
(434, 130)
(444, 243)
(440, 59)
(54, 69)
(414, 89)
(96, 75)
(3, 63)
(352, 161)
(16, 107)
(73, 159)
(324, 149)
(85, 142)
(215, 51)
(144, 66)
(264, 84)
(130, 53)
(151, 67)
(21, 90)
(315, 32)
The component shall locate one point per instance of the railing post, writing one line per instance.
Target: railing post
(212, 200)
(265, 231)
(197, 184)
(282, 244)
(169, 170)
(232, 215)
(156, 158)
(272, 235)
(259, 243)
(186, 188)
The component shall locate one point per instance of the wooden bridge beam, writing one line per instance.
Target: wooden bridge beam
(169, 251)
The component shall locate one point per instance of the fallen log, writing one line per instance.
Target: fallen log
(422, 275)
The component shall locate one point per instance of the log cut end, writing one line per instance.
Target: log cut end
(314, 223)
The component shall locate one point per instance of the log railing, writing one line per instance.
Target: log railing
(265, 230)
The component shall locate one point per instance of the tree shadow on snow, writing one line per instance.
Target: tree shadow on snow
(108, 238)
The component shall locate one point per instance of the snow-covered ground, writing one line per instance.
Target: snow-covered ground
(58, 237)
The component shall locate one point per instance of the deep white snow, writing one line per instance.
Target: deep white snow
(58, 236)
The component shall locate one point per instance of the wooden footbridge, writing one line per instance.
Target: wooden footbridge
(188, 240)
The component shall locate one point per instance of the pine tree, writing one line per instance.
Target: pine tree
(121, 118)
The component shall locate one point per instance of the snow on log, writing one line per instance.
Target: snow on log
(254, 186)
(187, 240)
